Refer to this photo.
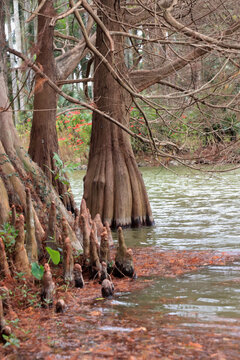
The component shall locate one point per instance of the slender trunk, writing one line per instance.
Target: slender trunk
(28, 31)
(18, 37)
(17, 171)
(13, 73)
(113, 185)
(43, 138)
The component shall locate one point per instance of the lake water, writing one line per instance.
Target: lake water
(192, 211)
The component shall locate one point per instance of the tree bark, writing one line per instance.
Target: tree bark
(113, 185)
(13, 72)
(18, 37)
(17, 170)
(43, 138)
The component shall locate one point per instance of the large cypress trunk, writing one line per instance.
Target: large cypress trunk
(113, 185)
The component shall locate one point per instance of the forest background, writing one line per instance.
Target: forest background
(193, 110)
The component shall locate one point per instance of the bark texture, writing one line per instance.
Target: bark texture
(43, 138)
(43, 141)
(21, 261)
(18, 171)
(113, 185)
(48, 287)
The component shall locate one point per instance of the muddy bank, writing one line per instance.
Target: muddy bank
(92, 329)
(215, 154)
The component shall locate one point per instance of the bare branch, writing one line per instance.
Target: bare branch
(67, 62)
(65, 14)
(37, 70)
(88, 8)
(75, 81)
(36, 12)
(143, 79)
(67, 37)
(196, 35)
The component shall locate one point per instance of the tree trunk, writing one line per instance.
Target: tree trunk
(13, 72)
(17, 171)
(18, 37)
(113, 185)
(43, 138)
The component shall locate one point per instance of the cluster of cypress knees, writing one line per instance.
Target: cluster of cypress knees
(95, 262)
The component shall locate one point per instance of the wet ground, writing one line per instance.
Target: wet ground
(185, 303)
(148, 318)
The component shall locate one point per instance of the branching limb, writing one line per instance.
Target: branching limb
(91, 12)
(36, 12)
(74, 81)
(196, 35)
(65, 14)
(33, 66)
(67, 37)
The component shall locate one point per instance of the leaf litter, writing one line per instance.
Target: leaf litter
(92, 329)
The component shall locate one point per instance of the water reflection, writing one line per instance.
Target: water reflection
(210, 295)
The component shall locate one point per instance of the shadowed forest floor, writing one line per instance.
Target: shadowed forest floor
(91, 328)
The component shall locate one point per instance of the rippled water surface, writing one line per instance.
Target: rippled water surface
(192, 211)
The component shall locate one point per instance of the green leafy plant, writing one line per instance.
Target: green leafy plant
(20, 276)
(54, 255)
(9, 234)
(62, 169)
(11, 340)
(38, 270)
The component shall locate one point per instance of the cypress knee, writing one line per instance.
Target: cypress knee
(83, 207)
(31, 242)
(107, 288)
(4, 295)
(52, 224)
(78, 278)
(68, 262)
(4, 329)
(48, 287)
(21, 260)
(68, 232)
(104, 273)
(94, 230)
(124, 260)
(14, 216)
(104, 247)
(77, 227)
(110, 239)
(4, 268)
(94, 258)
(60, 306)
(99, 226)
(86, 238)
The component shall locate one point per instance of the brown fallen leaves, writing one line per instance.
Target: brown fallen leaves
(175, 263)
(91, 329)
